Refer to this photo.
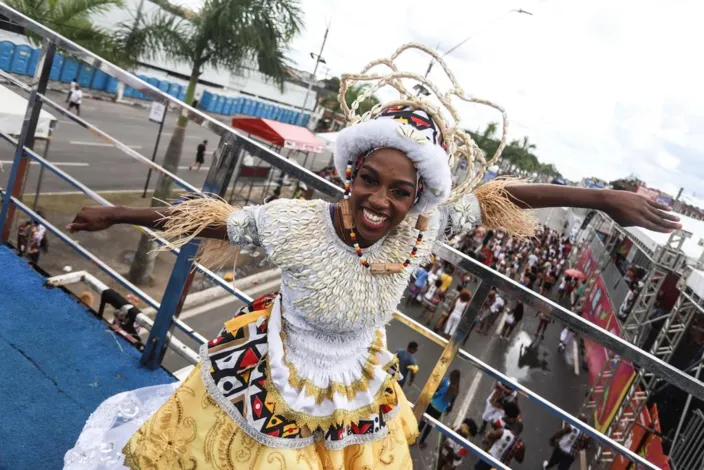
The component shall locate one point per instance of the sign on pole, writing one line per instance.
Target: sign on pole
(157, 111)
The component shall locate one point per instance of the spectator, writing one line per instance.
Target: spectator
(432, 298)
(512, 319)
(457, 310)
(442, 402)
(407, 363)
(75, 99)
(420, 278)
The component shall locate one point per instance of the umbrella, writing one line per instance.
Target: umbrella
(575, 273)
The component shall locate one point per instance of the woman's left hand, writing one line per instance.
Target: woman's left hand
(629, 209)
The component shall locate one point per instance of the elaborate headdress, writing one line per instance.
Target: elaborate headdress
(426, 128)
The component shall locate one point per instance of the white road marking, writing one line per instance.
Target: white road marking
(100, 144)
(468, 400)
(9, 162)
(169, 134)
(203, 168)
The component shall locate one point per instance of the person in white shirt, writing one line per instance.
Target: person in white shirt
(497, 305)
(75, 100)
(567, 442)
(532, 259)
(71, 88)
(457, 310)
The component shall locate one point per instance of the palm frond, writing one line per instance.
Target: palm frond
(156, 36)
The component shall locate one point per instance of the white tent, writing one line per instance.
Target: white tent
(12, 115)
(692, 247)
(696, 282)
(330, 139)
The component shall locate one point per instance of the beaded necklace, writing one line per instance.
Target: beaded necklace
(345, 217)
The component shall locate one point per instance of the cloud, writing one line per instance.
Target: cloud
(602, 88)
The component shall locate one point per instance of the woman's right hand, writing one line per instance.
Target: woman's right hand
(93, 219)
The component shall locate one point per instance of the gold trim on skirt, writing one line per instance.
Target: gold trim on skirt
(191, 432)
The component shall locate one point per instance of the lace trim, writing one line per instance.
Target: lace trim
(242, 227)
(339, 417)
(350, 390)
(251, 431)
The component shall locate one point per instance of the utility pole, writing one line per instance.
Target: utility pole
(318, 59)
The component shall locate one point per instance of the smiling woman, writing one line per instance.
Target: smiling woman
(304, 376)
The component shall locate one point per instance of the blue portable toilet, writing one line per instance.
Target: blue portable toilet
(257, 109)
(246, 107)
(99, 81)
(33, 61)
(205, 100)
(275, 113)
(268, 111)
(227, 107)
(129, 92)
(85, 75)
(111, 85)
(56, 67)
(20, 59)
(293, 119)
(138, 94)
(220, 105)
(237, 105)
(284, 115)
(182, 94)
(151, 80)
(306, 118)
(174, 89)
(164, 86)
(70, 70)
(7, 50)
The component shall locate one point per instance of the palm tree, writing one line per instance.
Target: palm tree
(226, 34)
(73, 20)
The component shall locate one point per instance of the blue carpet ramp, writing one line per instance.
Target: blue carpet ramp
(57, 364)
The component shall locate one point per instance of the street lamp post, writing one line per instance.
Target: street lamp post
(318, 60)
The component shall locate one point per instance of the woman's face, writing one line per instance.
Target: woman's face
(382, 194)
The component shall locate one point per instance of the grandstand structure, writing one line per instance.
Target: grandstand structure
(56, 369)
(676, 262)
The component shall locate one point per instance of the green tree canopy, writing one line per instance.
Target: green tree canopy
(225, 34)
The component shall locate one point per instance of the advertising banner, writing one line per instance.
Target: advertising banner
(598, 310)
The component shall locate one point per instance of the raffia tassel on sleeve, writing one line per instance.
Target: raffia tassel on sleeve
(500, 212)
(188, 219)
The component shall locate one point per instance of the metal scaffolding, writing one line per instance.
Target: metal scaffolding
(666, 259)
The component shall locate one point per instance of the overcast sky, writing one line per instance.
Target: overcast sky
(603, 88)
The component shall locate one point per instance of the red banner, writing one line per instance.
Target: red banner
(598, 310)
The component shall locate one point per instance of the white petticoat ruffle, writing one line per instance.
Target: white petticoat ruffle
(344, 373)
(110, 427)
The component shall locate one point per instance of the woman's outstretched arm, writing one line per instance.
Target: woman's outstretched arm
(94, 219)
(624, 207)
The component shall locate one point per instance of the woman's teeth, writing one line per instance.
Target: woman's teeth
(373, 218)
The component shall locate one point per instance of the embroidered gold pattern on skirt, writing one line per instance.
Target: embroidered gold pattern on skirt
(191, 432)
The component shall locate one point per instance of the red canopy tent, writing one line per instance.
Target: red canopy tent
(284, 135)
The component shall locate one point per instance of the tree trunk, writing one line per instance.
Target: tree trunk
(143, 263)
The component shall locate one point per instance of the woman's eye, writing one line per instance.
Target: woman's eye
(401, 192)
(367, 179)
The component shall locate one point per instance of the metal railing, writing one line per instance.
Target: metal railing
(229, 151)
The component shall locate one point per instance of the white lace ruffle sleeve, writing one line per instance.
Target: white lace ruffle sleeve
(459, 216)
(242, 226)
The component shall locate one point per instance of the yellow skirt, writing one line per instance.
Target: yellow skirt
(191, 432)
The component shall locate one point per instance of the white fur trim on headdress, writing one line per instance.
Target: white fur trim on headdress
(430, 160)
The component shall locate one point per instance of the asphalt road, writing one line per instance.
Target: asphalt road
(102, 166)
(542, 369)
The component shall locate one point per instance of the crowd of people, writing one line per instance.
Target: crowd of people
(443, 294)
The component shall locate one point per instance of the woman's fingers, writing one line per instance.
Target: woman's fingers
(659, 205)
(658, 224)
